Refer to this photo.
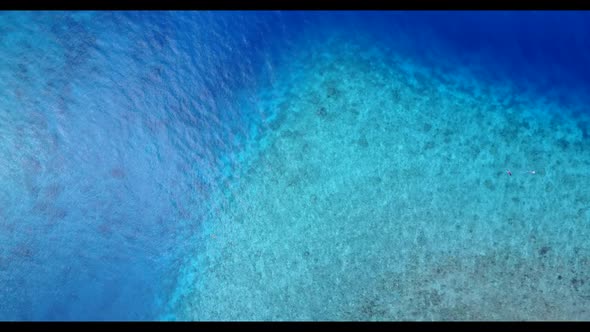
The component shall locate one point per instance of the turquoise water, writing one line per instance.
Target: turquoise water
(294, 166)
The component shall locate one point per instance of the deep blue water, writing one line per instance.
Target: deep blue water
(117, 126)
(526, 46)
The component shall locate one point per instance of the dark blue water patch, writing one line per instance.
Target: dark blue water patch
(537, 50)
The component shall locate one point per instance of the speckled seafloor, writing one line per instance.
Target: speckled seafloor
(379, 193)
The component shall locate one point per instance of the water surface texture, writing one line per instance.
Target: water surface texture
(294, 165)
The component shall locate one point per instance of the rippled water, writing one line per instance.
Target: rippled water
(116, 127)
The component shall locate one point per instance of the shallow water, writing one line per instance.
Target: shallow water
(294, 166)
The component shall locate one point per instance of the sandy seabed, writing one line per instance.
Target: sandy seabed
(379, 192)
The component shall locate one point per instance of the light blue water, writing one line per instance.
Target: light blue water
(122, 131)
(115, 128)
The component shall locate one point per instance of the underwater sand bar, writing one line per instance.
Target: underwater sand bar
(381, 194)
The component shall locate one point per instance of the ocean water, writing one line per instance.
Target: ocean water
(295, 165)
